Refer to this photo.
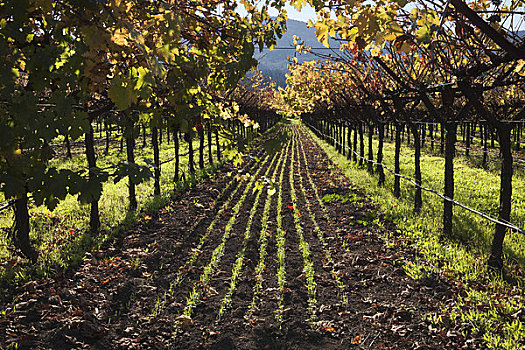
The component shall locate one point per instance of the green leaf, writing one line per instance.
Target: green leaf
(136, 173)
(122, 94)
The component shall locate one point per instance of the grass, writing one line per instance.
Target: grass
(239, 261)
(490, 306)
(183, 269)
(474, 186)
(198, 249)
(61, 236)
(320, 236)
(280, 238)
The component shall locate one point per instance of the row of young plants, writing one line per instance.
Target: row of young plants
(229, 194)
(263, 236)
(201, 286)
(238, 264)
(204, 238)
(318, 198)
(304, 247)
(280, 238)
(487, 306)
(317, 229)
(198, 249)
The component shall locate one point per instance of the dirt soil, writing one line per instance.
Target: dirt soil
(161, 285)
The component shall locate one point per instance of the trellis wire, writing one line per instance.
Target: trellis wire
(475, 149)
(475, 211)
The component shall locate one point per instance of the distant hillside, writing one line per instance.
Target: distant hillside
(273, 63)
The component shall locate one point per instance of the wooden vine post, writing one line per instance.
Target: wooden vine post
(130, 153)
(450, 126)
(349, 138)
(94, 218)
(218, 145)
(381, 135)
(361, 144)
(209, 134)
(397, 153)
(22, 228)
(504, 130)
(354, 156)
(176, 146)
(200, 130)
(418, 201)
(505, 196)
(370, 164)
(156, 159)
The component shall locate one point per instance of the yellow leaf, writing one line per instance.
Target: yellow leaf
(322, 33)
(298, 4)
(376, 51)
(519, 68)
(120, 36)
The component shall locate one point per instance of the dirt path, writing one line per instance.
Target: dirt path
(238, 263)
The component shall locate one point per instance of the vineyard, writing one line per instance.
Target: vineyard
(158, 191)
(304, 264)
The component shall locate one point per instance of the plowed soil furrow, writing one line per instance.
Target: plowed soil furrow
(206, 313)
(196, 285)
(229, 264)
(295, 308)
(265, 287)
(254, 251)
(184, 265)
(329, 291)
(170, 271)
(328, 249)
(338, 218)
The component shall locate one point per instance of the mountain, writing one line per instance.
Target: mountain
(274, 63)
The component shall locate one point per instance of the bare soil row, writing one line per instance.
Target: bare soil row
(163, 284)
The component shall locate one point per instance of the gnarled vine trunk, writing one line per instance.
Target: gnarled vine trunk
(505, 196)
(22, 228)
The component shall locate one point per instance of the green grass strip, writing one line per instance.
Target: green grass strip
(211, 226)
(281, 241)
(317, 196)
(181, 274)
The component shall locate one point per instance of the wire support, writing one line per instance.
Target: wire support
(413, 182)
